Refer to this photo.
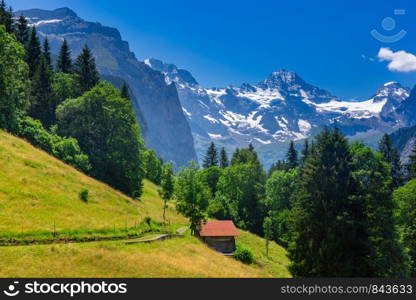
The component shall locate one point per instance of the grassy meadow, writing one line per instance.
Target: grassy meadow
(40, 203)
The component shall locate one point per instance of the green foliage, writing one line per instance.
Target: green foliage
(125, 91)
(167, 186)
(244, 255)
(405, 200)
(192, 197)
(373, 180)
(328, 228)
(105, 126)
(240, 189)
(210, 177)
(292, 156)
(280, 189)
(33, 52)
(342, 220)
(277, 166)
(224, 159)
(6, 17)
(152, 166)
(41, 101)
(22, 30)
(65, 149)
(64, 62)
(47, 53)
(391, 156)
(305, 153)
(14, 84)
(268, 232)
(282, 232)
(86, 69)
(211, 157)
(83, 195)
(245, 156)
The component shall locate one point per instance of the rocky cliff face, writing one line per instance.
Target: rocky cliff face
(155, 101)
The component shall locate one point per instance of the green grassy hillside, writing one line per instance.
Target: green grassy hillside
(39, 197)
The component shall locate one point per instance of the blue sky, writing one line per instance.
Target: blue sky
(328, 43)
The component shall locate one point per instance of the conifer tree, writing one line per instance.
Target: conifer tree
(224, 159)
(292, 156)
(305, 152)
(391, 155)
(125, 91)
(22, 30)
(6, 17)
(64, 62)
(211, 157)
(86, 69)
(47, 53)
(235, 156)
(328, 228)
(33, 52)
(41, 107)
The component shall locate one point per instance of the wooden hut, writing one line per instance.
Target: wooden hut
(219, 235)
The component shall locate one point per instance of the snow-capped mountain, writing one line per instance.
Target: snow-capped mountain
(280, 108)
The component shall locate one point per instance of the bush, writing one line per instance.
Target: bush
(83, 195)
(65, 149)
(244, 255)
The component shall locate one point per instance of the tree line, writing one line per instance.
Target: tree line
(339, 207)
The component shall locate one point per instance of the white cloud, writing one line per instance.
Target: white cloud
(400, 61)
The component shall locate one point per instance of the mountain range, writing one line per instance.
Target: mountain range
(280, 108)
(178, 115)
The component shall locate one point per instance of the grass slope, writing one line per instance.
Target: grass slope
(38, 191)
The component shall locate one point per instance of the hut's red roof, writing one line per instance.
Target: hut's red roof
(218, 228)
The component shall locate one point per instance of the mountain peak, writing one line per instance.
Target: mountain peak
(172, 72)
(65, 11)
(282, 79)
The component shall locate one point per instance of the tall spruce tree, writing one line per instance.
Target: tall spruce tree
(33, 52)
(86, 69)
(47, 53)
(22, 30)
(64, 62)
(224, 159)
(6, 17)
(328, 228)
(391, 156)
(211, 157)
(305, 152)
(292, 156)
(125, 91)
(41, 107)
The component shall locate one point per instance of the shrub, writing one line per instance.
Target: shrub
(244, 255)
(65, 149)
(83, 195)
